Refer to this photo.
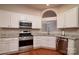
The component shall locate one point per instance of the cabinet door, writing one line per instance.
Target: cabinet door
(14, 22)
(13, 44)
(60, 20)
(49, 42)
(37, 42)
(40, 42)
(22, 17)
(36, 21)
(45, 42)
(71, 18)
(9, 44)
(4, 46)
(4, 19)
(52, 42)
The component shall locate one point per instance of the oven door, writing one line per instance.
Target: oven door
(25, 43)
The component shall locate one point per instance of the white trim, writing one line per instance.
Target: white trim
(49, 19)
(48, 10)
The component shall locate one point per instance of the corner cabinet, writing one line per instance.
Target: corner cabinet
(68, 19)
(44, 42)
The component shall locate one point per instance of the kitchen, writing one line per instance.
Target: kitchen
(53, 27)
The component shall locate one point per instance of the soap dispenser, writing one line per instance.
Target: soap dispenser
(63, 33)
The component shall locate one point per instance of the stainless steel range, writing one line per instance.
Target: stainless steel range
(25, 41)
(25, 36)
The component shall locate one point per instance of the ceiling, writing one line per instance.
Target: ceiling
(42, 6)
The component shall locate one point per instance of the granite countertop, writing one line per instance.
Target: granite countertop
(7, 35)
(56, 34)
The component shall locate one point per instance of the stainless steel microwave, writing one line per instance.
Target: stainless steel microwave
(25, 25)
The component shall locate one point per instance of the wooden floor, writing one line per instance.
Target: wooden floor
(40, 51)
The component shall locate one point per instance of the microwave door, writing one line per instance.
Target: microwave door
(25, 25)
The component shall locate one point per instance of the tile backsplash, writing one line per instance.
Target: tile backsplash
(71, 32)
(9, 33)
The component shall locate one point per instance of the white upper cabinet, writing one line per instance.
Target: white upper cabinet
(71, 18)
(60, 20)
(68, 19)
(14, 20)
(4, 19)
(36, 21)
(11, 19)
(8, 19)
(22, 17)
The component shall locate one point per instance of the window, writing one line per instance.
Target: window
(49, 26)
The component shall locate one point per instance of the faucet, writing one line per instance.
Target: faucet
(48, 30)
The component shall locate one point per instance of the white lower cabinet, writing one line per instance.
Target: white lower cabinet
(4, 46)
(49, 42)
(8, 45)
(44, 42)
(36, 43)
(13, 44)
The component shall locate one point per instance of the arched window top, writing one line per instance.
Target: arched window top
(49, 13)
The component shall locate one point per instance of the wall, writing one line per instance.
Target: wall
(20, 9)
(66, 7)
